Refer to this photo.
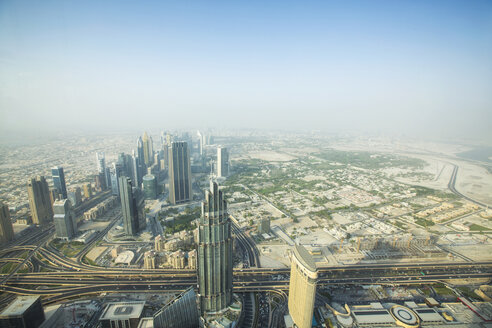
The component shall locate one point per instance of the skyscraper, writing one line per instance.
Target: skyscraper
(65, 220)
(105, 180)
(150, 187)
(131, 206)
(59, 181)
(6, 230)
(39, 200)
(148, 150)
(302, 287)
(214, 253)
(101, 163)
(136, 170)
(116, 173)
(179, 173)
(181, 312)
(222, 162)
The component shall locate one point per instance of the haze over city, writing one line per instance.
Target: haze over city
(213, 164)
(414, 68)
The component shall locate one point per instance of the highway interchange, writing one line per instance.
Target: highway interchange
(42, 270)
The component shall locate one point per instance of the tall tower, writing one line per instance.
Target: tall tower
(65, 220)
(131, 206)
(179, 173)
(116, 173)
(101, 163)
(59, 181)
(222, 162)
(39, 200)
(214, 253)
(302, 287)
(148, 150)
(6, 230)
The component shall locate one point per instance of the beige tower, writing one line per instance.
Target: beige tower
(148, 150)
(302, 287)
(6, 230)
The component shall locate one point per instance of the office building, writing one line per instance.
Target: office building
(23, 312)
(214, 253)
(132, 207)
(122, 314)
(75, 196)
(87, 190)
(264, 225)
(6, 229)
(101, 163)
(302, 287)
(100, 182)
(222, 162)
(182, 311)
(116, 173)
(59, 181)
(148, 150)
(179, 173)
(64, 219)
(136, 170)
(39, 200)
(150, 186)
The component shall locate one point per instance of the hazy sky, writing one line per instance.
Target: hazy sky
(380, 66)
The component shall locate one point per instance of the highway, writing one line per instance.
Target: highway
(452, 183)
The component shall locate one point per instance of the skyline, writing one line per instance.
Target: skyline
(411, 68)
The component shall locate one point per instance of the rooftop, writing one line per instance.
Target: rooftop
(304, 257)
(123, 310)
(19, 306)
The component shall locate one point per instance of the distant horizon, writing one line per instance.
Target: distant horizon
(413, 68)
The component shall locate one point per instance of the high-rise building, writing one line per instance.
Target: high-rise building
(59, 181)
(136, 170)
(23, 312)
(302, 287)
(122, 314)
(150, 187)
(264, 225)
(181, 311)
(148, 149)
(150, 260)
(65, 220)
(101, 163)
(179, 173)
(87, 190)
(6, 229)
(102, 172)
(131, 206)
(214, 253)
(222, 162)
(39, 200)
(116, 173)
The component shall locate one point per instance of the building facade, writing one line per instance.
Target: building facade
(64, 219)
(6, 229)
(150, 186)
(179, 173)
(23, 312)
(222, 162)
(39, 200)
(181, 312)
(214, 261)
(302, 287)
(132, 207)
(59, 181)
(148, 149)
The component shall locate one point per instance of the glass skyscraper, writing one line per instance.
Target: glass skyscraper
(59, 181)
(179, 173)
(214, 253)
